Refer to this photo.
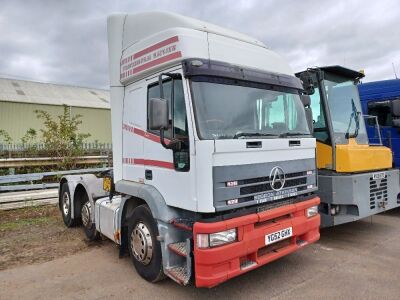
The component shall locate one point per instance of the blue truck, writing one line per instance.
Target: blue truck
(380, 100)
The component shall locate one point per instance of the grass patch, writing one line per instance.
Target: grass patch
(27, 213)
(13, 225)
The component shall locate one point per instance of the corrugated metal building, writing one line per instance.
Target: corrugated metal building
(19, 99)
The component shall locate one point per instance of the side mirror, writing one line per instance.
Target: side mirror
(307, 82)
(309, 89)
(158, 112)
(306, 100)
(309, 118)
(181, 160)
(395, 108)
(396, 123)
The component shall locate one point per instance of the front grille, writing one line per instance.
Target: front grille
(238, 186)
(276, 204)
(266, 178)
(273, 204)
(267, 186)
(378, 194)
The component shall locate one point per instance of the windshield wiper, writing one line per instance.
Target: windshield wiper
(250, 134)
(286, 134)
(356, 115)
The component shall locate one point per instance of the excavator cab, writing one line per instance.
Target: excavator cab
(338, 123)
(355, 178)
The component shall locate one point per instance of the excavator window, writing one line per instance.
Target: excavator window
(321, 131)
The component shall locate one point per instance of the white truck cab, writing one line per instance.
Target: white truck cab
(213, 163)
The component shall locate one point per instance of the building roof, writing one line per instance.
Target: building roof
(13, 90)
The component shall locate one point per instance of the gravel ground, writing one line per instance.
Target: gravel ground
(37, 234)
(353, 261)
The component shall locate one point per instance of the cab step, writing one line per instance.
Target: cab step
(301, 243)
(179, 274)
(246, 264)
(179, 248)
(182, 224)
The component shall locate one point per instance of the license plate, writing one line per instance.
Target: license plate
(278, 236)
(107, 184)
(380, 175)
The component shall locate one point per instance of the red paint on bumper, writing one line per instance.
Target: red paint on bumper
(216, 265)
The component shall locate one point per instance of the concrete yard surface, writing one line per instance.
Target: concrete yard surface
(360, 260)
(13, 200)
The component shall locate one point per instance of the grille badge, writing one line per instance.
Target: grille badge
(277, 177)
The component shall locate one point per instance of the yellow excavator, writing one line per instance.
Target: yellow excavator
(355, 179)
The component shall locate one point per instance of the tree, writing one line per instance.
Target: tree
(29, 143)
(29, 137)
(6, 137)
(61, 136)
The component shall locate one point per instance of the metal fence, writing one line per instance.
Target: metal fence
(34, 189)
(41, 147)
(23, 182)
(26, 162)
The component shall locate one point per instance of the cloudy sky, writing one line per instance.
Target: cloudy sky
(64, 41)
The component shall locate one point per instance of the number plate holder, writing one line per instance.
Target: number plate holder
(278, 235)
(379, 175)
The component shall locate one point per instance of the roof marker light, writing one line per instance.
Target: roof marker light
(196, 63)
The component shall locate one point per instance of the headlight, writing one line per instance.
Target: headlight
(312, 211)
(216, 239)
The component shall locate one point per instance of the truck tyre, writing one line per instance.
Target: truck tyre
(89, 227)
(144, 248)
(65, 205)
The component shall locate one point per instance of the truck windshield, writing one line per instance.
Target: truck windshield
(345, 108)
(226, 110)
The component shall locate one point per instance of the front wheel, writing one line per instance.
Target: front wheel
(144, 248)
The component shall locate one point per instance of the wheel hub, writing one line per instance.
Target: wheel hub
(66, 203)
(85, 213)
(141, 243)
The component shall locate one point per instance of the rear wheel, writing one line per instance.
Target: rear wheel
(144, 248)
(89, 226)
(66, 206)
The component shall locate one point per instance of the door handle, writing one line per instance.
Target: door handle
(148, 174)
(256, 144)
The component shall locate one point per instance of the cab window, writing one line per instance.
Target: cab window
(178, 125)
(321, 131)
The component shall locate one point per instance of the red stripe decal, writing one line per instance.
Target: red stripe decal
(157, 62)
(156, 46)
(149, 57)
(145, 134)
(154, 163)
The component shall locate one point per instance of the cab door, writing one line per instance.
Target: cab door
(171, 172)
(134, 123)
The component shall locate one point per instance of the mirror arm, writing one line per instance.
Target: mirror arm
(162, 139)
(174, 144)
(160, 82)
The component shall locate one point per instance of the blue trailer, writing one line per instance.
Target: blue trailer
(382, 100)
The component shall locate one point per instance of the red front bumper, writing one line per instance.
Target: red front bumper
(216, 265)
